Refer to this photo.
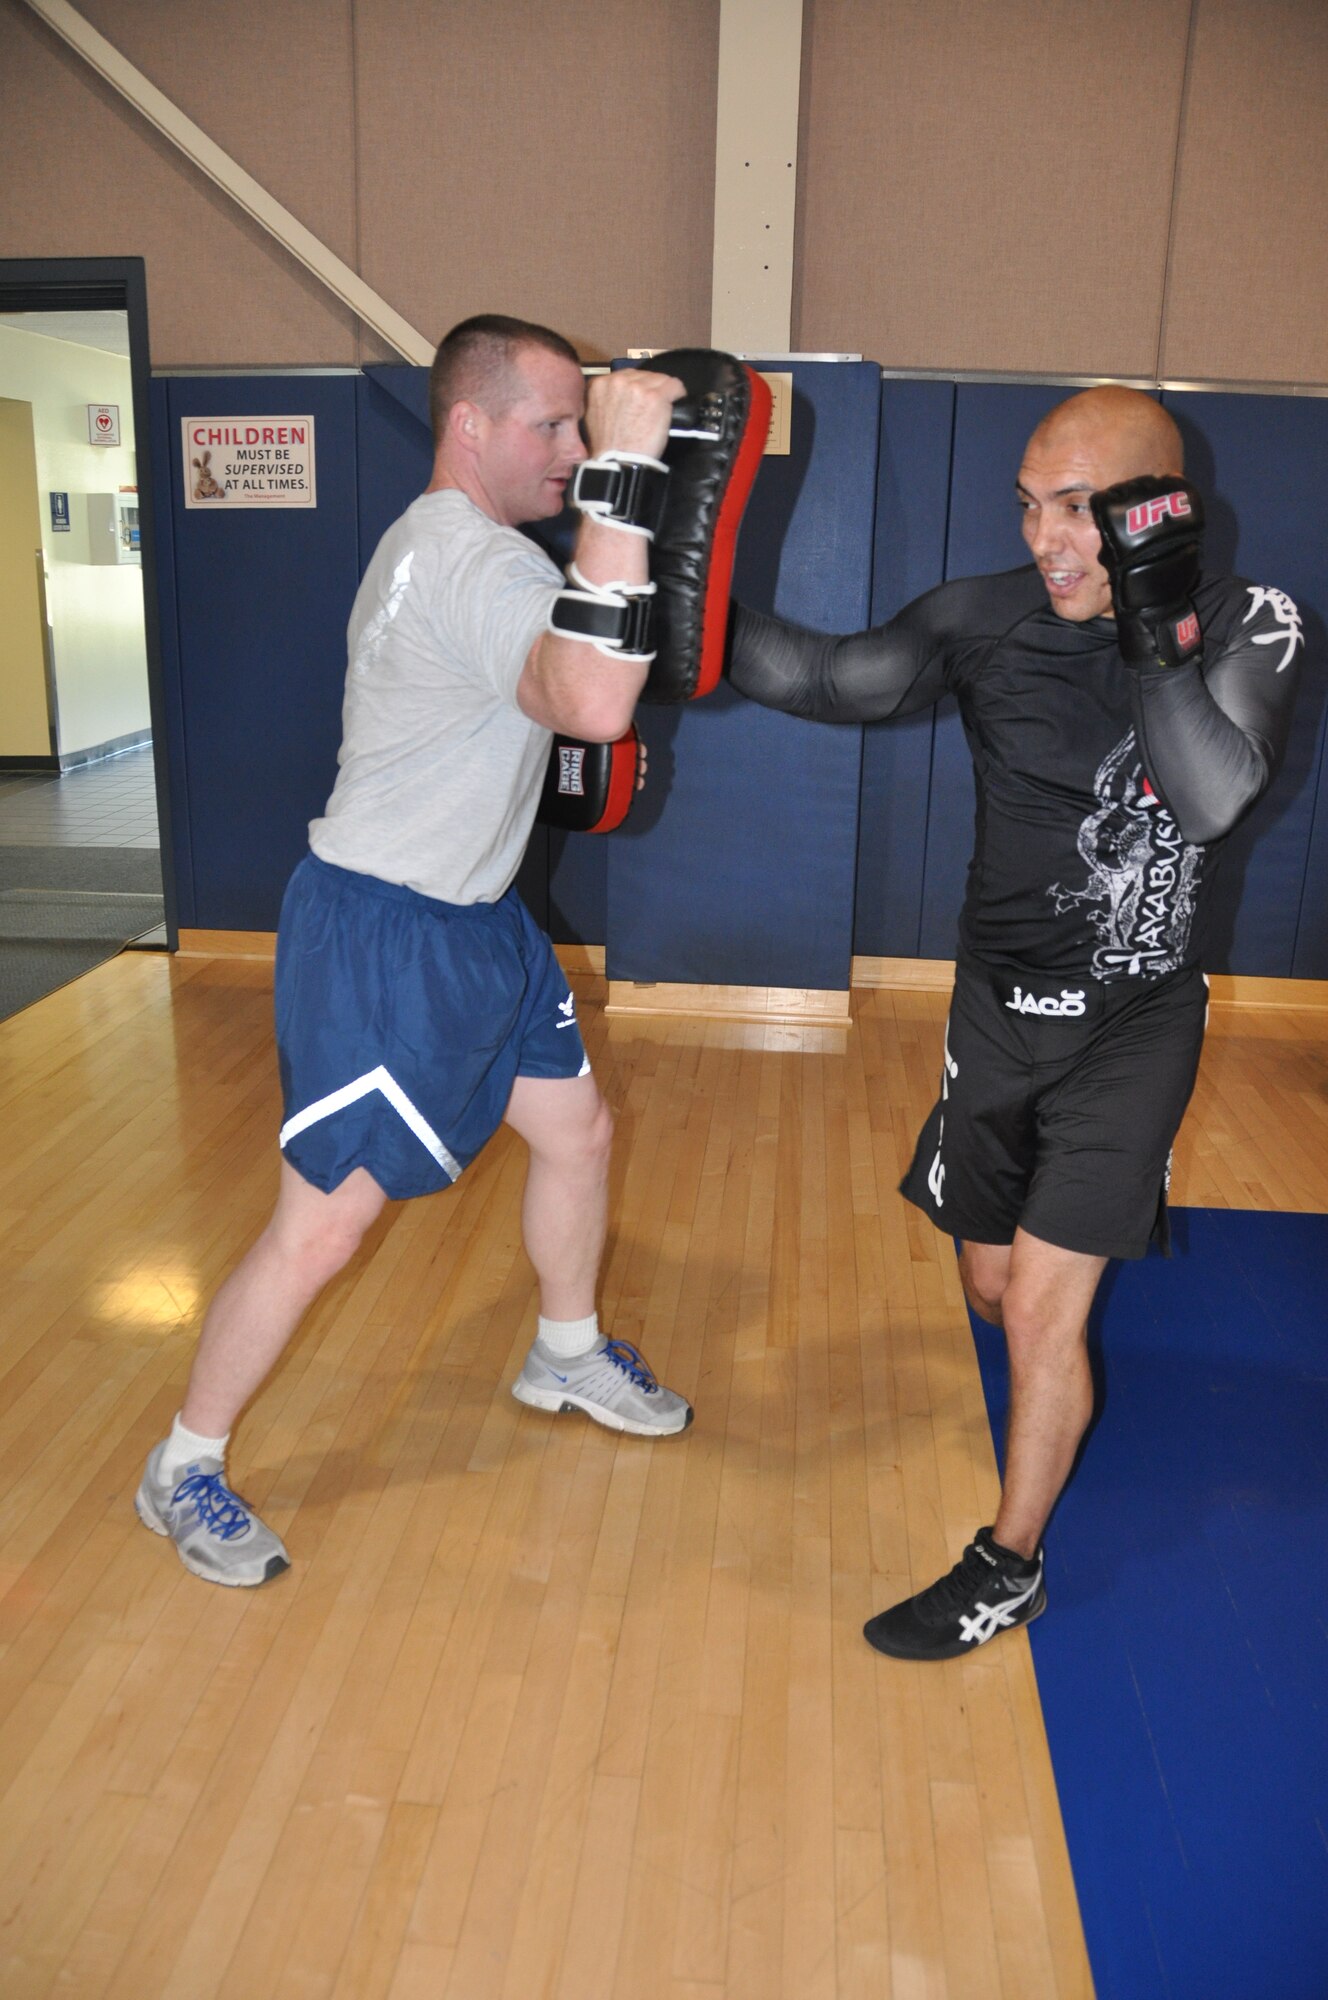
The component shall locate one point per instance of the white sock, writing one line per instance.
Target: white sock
(567, 1338)
(186, 1447)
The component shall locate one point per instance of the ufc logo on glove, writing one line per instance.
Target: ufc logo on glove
(1156, 510)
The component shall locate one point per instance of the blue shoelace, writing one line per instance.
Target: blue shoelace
(221, 1512)
(623, 1355)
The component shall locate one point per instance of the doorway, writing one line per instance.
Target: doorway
(85, 865)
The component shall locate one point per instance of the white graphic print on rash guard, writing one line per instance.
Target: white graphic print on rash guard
(1141, 874)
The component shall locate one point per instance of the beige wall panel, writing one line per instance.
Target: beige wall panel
(1248, 294)
(988, 186)
(86, 176)
(554, 162)
(272, 84)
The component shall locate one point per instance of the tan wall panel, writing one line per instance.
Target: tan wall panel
(273, 85)
(1248, 293)
(85, 176)
(554, 162)
(988, 186)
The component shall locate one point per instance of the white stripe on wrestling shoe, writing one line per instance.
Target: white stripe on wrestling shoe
(989, 1619)
(373, 1079)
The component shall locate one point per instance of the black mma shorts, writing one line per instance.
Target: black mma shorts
(1059, 1104)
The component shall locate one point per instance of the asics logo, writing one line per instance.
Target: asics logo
(1068, 1007)
(989, 1619)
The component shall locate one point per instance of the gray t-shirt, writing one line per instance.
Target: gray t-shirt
(439, 771)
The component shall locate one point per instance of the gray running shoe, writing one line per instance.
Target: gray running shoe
(216, 1535)
(611, 1383)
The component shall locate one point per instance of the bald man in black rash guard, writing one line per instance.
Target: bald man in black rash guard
(1124, 711)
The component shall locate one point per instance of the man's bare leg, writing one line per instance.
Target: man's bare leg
(1041, 1296)
(564, 1212)
(569, 1130)
(183, 1494)
(1044, 1311)
(256, 1310)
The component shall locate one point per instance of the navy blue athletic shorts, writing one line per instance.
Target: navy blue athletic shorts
(1059, 1103)
(402, 1023)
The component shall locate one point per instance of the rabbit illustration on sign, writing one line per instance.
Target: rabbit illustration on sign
(205, 486)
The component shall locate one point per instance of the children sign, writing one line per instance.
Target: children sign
(248, 461)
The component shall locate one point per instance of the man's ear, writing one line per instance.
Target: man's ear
(466, 421)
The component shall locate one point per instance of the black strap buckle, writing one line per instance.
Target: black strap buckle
(622, 491)
(638, 633)
(625, 625)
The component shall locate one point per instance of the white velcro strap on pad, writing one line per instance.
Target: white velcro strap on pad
(622, 489)
(617, 589)
(616, 618)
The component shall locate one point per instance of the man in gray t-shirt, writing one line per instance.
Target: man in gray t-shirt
(418, 1005)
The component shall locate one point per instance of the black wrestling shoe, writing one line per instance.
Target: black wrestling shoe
(988, 1590)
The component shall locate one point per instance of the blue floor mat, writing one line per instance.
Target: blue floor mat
(1183, 1668)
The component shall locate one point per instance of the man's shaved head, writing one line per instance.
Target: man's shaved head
(1095, 439)
(1122, 427)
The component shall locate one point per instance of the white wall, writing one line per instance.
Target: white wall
(96, 612)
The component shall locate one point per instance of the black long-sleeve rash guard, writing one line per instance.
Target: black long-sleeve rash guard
(1103, 793)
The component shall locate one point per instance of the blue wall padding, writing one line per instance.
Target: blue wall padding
(172, 689)
(1261, 463)
(1311, 961)
(1183, 1659)
(766, 850)
(396, 451)
(408, 386)
(740, 869)
(263, 596)
(993, 423)
(912, 505)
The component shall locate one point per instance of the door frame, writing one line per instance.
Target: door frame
(118, 284)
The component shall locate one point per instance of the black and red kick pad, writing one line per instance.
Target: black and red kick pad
(588, 787)
(716, 439)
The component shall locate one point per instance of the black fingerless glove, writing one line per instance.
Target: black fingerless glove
(1152, 550)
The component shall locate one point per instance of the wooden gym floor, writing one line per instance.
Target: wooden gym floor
(538, 1711)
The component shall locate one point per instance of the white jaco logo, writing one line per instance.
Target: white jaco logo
(1066, 1008)
(567, 1008)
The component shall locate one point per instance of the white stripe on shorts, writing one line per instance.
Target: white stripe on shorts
(373, 1079)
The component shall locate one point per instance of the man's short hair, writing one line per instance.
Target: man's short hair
(476, 362)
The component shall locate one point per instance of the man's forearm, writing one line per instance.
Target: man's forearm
(1207, 769)
(570, 686)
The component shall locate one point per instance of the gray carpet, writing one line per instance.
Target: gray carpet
(64, 910)
(135, 871)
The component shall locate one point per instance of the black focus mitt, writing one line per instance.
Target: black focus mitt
(588, 787)
(716, 440)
